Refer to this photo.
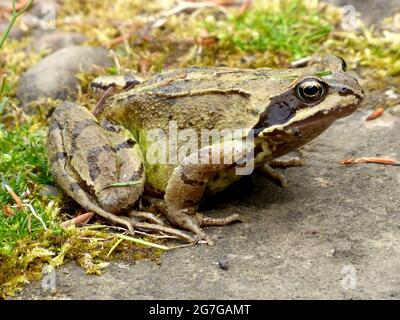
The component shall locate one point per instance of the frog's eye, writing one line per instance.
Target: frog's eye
(310, 91)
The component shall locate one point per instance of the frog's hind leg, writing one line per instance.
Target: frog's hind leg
(187, 184)
(124, 181)
(74, 189)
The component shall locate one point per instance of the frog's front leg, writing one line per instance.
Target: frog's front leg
(187, 184)
(292, 159)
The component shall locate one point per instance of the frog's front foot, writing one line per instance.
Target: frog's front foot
(186, 187)
(292, 159)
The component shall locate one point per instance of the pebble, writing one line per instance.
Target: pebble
(223, 264)
(55, 76)
(55, 40)
(395, 110)
(42, 8)
(49, 191)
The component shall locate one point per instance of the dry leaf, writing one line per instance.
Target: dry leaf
(371, 160)
(376, 114)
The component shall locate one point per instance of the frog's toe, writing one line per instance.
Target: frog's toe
(146, 216)
(292, 159)
(160, 229)
(191, 222)
(213, 221)
(275, 175)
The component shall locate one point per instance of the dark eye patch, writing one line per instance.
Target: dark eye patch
(279, 111)
(283, 107)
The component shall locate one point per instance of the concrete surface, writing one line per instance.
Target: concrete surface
(334, 233)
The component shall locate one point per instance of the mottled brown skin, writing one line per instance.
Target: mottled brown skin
(265, 100)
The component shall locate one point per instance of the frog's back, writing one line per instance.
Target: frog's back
(196, 78)
(197, 98)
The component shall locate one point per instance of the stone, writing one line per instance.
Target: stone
(55, 76)
(55, 40)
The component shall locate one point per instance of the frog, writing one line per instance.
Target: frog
(100, 158)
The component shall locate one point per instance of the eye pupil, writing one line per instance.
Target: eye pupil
(311, 90)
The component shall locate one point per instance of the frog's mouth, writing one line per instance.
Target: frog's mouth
(301, 130)
(308, 118)
(323, 118)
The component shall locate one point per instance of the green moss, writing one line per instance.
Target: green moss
(88, 246)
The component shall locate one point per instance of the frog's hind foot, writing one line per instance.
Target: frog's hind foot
(145, 226)
(146, 216)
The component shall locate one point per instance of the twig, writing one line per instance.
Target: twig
(15, 14)
(28, 205)
(371, 160)
(20, 204)
(101, 103)
(11, 192)
(3, 85)
(142, 242)
(114, 246)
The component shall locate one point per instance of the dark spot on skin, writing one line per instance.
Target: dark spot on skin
(75, 187)
(258, 149)
(297, 133)
(54, 126)
(130, 82)
(58, 156)
(156, 193)
(125, 145)
(195, 183)
(190, 203)
(93, 160)
(101, 86)
(58, 111)
(107, 125)
(79, 127)
(137, 175)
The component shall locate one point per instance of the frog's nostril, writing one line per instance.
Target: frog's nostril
(344, 91)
